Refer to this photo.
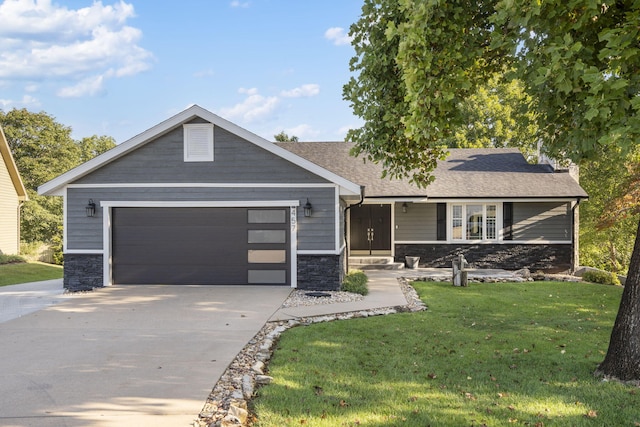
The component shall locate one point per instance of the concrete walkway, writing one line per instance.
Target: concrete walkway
(20, 300)
(384, 291)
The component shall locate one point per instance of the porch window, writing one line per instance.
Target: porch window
(474, 222)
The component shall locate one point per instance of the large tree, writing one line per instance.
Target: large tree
(44, 149)
(605, 243)
(579, 61)
(497, 115)
(283, 137)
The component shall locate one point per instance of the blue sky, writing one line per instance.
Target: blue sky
(119, 67)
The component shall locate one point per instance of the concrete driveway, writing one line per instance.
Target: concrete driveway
(126, 355)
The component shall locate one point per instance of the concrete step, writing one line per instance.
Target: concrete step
(374, 263)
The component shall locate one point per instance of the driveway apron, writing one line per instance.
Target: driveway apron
(126, 355)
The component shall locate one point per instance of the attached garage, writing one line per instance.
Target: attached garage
(197, 200)
(201, 245)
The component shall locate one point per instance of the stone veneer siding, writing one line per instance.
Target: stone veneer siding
(320, 272)
(544, 257)
(82, 272)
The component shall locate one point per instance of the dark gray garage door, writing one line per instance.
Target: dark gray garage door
(201, 246)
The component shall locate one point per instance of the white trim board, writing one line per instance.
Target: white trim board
(318, 252)
(199, 204)
(483, 242)
(503, 200)
(202, 185)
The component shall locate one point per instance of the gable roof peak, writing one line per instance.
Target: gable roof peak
(12, 168)
(55, 186)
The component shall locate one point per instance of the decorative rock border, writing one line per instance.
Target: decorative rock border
(226, 405)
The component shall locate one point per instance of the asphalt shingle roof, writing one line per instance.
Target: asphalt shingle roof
(465, 173)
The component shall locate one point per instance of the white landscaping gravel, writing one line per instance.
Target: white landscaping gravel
(302, 298)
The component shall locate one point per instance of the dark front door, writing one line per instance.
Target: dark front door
(371, 228)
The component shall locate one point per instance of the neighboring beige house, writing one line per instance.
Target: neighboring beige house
(12, 195)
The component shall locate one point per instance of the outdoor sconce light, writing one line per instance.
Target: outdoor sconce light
(404, 207)
(307, 209)
(91, 208)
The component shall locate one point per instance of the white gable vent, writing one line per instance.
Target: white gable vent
(198, 142)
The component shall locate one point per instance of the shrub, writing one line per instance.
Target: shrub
(355, 281)
(11, 259)
(47, 252)
(56, 247)
(599, 276)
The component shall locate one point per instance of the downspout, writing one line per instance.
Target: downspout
(575, 224)
(20, 203)
(346, 211)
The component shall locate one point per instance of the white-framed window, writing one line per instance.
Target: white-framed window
(198, 142)
(474, 222)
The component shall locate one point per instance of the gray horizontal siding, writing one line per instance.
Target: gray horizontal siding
(419, 223)
(541, 221)
(235, 161)
(315, 233)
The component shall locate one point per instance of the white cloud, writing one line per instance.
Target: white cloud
(338, 36)
(254, 106)
(236, 3)
(304, 132)
(89, 86)
(42, 41)
(342, 131)
(26, 101)
(249, 91)
(302, 91)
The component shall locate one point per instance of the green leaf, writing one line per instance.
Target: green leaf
(591, 113)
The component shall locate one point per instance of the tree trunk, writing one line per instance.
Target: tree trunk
(622, 361)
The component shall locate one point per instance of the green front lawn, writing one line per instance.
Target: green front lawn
(490, 354)
(11, 274)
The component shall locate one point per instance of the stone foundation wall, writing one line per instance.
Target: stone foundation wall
(320, 272)
(82, 272)
(550, 258)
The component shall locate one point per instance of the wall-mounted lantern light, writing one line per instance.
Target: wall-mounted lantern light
(91, 209)
(404, 207)
(307, 209)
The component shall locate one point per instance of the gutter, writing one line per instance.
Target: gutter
(346, 210)
(19, 208)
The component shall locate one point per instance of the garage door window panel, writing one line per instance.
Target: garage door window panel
(267, 216)
(270, 277)
(267, 256)
(267, 236)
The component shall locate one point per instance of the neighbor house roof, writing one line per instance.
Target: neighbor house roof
(465, 173)
(5, 154)
(55, 186)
